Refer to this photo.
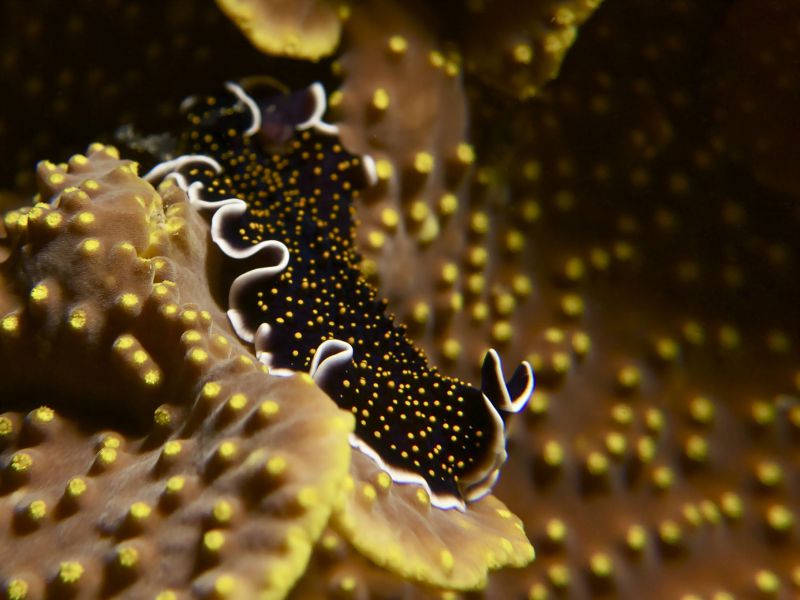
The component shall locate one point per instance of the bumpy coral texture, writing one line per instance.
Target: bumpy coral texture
(612, 240)
(181, 466)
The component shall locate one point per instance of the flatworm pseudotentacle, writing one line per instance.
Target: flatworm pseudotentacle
(283, 188)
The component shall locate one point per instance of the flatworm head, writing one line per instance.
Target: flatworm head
(282, 187)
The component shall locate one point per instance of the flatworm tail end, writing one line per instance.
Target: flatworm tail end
(503, 398)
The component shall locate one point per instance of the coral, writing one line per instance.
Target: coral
(137, 431)
(756, 89)
(309, 29)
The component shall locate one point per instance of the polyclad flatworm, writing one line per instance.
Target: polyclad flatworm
(282, 188)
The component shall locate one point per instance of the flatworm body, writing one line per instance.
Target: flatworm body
(282, 188)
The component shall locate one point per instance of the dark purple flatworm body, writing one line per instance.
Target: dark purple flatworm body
(282, 187)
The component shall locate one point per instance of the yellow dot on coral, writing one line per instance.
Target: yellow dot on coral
(127, 557)
(376, 239)
(559, 575)
(37, 510)
(636, 538)
(175, 484)
(601, 564)
(140, 357)
(380, 99)
(422, 497)
(77, 319)
(53, 220)
(670, 532)
(767, 582)
(502, 331)
(211, 390)
(780, 518)
(556, 530)
(225, 585)
(86, 218)
(423, 162)
(553, 453)
(227, 450)
(70, 571)
(449, 273)
(479, 222)
(213, 540)
(17, 589)
(515, 241)
(172, 448)
(129, 300)
(347, 583)
(418, 211)
(268, 408)
(276, 466)
(398, 44)
(222, 511)
(436, 59)
(76, 487)
(420, 312)
(237, 401)
(451, 349)
(384, 480)
(10, 323)
(39, 292)
(198, 355)
(383, 169)
(448, 204)
(21, 462)
(447, 560)
(166, 595)
(124, 342)
(308, 497)
(43, 414)
(90, 246)
(522, 53)
(139, 510)
(368, 491)
(56, 179)
(152, 377)
(465, 153)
